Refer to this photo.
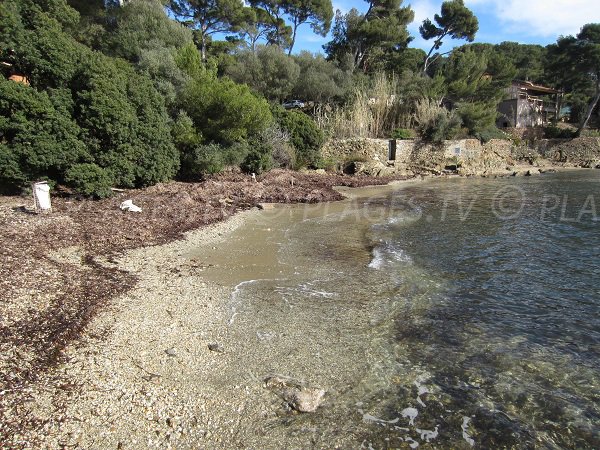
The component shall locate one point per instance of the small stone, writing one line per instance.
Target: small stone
(216, 347)
(171, 352)
(304, 400)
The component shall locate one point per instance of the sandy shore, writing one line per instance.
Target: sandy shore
(144, 376)
(151, 381)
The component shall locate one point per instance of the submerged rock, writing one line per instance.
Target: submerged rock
(297, 395)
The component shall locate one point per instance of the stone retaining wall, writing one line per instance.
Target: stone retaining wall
(469, 156)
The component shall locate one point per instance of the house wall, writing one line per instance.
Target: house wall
(508, 111)
(528, 114)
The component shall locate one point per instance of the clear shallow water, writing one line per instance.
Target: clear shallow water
(454, 314)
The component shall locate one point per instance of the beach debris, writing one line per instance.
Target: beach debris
(410, 414)
(128, 205)
(254, 177)
(296, 394)
(171, 352)
(216, 347)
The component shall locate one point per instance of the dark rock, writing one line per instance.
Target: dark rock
(216, 347)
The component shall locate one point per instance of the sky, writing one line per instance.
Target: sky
(524, 21)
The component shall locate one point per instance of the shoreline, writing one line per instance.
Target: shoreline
(134, 339)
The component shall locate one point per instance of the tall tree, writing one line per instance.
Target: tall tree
(381, 30)
(261, 25)
(269, 71)
(456, 21)
(209, 17)
(316, 13)
(575, 65)
(279, 33)
(475, 80)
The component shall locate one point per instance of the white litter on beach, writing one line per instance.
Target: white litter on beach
(465, 434)
(411, 414)
(128, 205)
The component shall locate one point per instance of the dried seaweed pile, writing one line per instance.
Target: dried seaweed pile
(51, 284)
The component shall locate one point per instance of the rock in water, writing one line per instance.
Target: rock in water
(296, 394)
(304, 400)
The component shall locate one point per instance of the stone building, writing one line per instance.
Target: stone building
(529, 105)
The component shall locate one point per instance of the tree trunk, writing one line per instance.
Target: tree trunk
(203, 46)
(293, 40)
(589, 111)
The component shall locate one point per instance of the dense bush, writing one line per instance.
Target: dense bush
(89, 180)
(84, 111)
(259, 159)
(436, 123)
(553, 132)
(202, 160)
(224, 112)
(305, 136)
(490, 133)
(37, 139)
(402, 133)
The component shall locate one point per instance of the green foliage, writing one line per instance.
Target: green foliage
(143, 25)
(553, 132)
(528, 60)
(476, 79)
(128, 126)
(367, 39)
(89, 180)
(305, 136)
(202, 160)
(259, 158)
(574, 64)
(208, 17)
(436, 123)
(223, 111)
(39, 138)
(490, 133)
(264, 21)
(477, 116)
(402, 133)
(320, 81)
(82, 108)
(268, 71)
(317, 13)
(456, 21)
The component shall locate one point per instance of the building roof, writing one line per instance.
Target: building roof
(535, 88)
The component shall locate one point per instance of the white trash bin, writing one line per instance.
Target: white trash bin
(41, 197)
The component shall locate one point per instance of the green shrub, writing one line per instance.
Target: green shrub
(224, 112)
(202, 160)
(553, 132)
(435, 123)
(259, 158)
(37, 138)
(490, 133)
(403, 133)
(89, 180)
(305, 136)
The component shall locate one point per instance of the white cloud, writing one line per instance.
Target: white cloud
(423, 9)
(547, 18)
(342, 6)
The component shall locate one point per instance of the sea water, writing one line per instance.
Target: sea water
(458, 313)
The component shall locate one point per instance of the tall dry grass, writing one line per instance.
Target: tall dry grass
(373, 112)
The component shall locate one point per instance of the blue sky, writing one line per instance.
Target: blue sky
(524, 21)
